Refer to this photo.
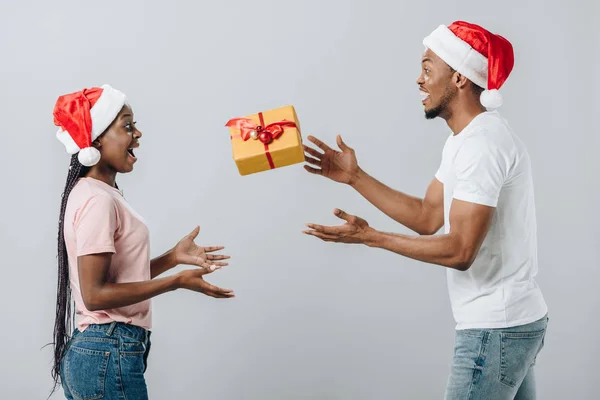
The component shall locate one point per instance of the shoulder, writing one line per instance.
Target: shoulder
(85, 189)
(90, 198)
(485, 150)
(491, 135)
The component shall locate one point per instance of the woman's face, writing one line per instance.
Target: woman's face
(118, 142)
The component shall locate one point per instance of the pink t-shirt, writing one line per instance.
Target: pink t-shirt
(99, 220)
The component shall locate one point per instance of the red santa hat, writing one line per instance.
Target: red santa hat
(83, 116)
(485, 58)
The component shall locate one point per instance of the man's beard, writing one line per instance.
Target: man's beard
(442, 108)
(434, 112)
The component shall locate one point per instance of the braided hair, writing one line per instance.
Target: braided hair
(64, 317)
(63, 323)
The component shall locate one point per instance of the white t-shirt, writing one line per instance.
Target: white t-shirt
(486, 163)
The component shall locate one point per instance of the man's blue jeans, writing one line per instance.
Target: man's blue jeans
(496, 364)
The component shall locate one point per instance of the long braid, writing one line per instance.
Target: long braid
(63, 324)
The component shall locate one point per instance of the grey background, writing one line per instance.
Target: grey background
(311, 320)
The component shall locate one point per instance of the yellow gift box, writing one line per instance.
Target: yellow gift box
(266, 140)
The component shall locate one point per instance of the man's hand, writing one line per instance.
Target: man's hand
(355, 230)
(456, 249)
(338, 166)
(187, 252)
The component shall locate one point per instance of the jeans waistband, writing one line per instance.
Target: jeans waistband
(121, 329)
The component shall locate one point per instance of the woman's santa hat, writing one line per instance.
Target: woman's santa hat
(485, 58)
(83, 116)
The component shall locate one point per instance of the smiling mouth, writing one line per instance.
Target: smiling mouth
(130, 151)
(424, 96)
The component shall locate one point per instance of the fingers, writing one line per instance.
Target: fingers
(313, 170)
(215, 291)
(221, 264)
(328, 230)
(323, 236)
(218, 292)
(208, 267)
(341, 143)
(210, 249)
(219, 295)
(318, 143)
(208, 264)
(194, 234)
(342, 214)
(213, 266)
(312, 152)
(313, 161)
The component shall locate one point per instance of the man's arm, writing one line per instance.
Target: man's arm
(481, 168)
(424, 216)
(469, 222)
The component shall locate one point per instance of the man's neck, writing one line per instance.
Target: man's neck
(459, 119)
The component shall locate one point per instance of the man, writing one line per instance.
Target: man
(483, 195)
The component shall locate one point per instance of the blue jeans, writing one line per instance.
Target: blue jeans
(496, 364)
(106, 361)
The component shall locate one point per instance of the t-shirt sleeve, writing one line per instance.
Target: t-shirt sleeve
(481, 170)
(438, 174)
(95, 225)
(443, 167)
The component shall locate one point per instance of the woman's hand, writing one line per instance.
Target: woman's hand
(189, 253)
(193, 279)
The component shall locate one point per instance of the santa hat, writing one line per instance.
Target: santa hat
(485, 58)
(83, 116)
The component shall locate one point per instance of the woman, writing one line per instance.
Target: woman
(104, 255)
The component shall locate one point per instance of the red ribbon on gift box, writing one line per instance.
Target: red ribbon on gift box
(266, 134)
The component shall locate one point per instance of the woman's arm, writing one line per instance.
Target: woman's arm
(100, 294)
(162, 264)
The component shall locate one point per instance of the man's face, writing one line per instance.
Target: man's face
(435, 85)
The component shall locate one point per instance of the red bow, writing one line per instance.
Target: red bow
(265, 133)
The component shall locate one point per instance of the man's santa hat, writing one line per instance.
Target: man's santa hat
(485, 58)
(83, 116)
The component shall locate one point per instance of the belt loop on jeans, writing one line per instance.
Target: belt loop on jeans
(111, 328)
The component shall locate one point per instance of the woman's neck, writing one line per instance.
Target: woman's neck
(103, 174)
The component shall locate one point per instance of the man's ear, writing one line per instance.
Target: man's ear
(460, 80)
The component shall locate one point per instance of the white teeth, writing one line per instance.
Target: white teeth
(424, 96)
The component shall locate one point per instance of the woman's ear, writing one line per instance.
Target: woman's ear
(98, 142)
